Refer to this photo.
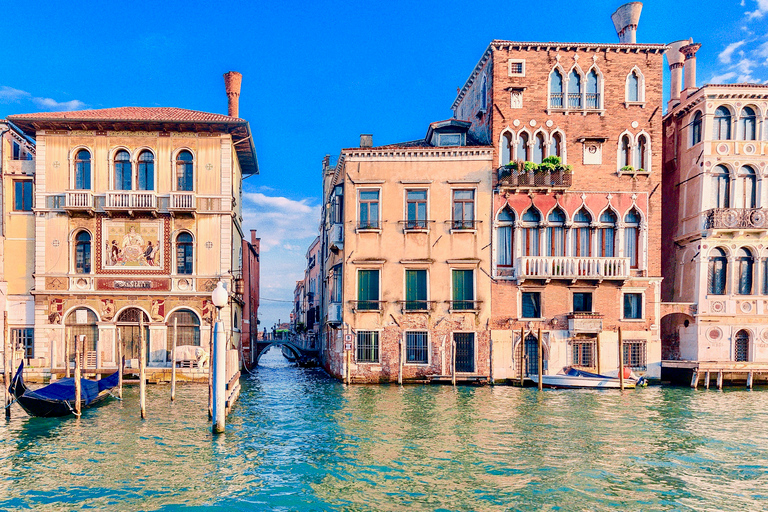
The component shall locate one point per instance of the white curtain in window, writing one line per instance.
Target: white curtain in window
(505, 246)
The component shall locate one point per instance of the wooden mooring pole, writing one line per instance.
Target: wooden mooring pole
(750, 377)
(120, 364)
(522, 354)
(541, 362)
(66, 352)
(142, 368)
(453, 362)
(173, 359)
(597, 346)
(78, 384)
(7, 368)
(400, 366)
(348, 369)
(621, 361)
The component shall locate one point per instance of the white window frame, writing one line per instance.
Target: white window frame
(405, 348)
(510, 62)
(644, 313)
(640, 88)
(357, 210)
(406, 229)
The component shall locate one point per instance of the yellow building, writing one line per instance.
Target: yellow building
(137, 216)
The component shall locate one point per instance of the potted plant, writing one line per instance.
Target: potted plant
(628, 168)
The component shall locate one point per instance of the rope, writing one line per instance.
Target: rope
(114, 396)
(10, 404)
(71, 409)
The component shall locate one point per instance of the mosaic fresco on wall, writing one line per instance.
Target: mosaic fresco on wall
(132, 244)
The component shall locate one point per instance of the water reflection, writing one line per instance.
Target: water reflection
(300, 441)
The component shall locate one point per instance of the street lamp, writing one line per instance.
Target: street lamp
(219, 366)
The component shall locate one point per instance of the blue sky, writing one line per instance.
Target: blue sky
(316, 75)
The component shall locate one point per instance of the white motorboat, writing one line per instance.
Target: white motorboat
(574, 378)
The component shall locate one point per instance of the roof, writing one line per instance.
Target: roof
(551, 45)
(164, 119)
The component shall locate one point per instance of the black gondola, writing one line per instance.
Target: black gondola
(58, 398)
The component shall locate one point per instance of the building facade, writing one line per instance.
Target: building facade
(405, 235)
(715, 231)
(137, 216)
(576, 217)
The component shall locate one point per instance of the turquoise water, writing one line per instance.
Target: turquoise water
(300, 441)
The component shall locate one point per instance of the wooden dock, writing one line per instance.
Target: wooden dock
(717, 374)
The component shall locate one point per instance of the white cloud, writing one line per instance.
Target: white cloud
(762, 9)
(11, 95)
(725, 55)
(280, 221)
(721, 79)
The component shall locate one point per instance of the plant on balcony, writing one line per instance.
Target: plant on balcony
(628, 168)
(641, 170)
(529, 166)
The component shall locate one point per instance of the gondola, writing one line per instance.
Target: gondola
(58, 398)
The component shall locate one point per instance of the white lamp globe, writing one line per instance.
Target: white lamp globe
(219, 295)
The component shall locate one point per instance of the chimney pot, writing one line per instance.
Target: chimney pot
(689, 51)
(366, 140)
(232, 82)
(625, 21)
(676, 64)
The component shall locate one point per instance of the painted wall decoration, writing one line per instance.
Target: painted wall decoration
(132, 244)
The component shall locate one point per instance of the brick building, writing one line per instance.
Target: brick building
(576, 220)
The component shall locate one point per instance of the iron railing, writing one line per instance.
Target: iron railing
(556, 100)
(509, 177)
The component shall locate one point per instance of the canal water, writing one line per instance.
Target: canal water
(298, 440)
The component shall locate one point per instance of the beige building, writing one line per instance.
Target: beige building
(715, 254)
(17, 229)
(405, 249)
(137, 215)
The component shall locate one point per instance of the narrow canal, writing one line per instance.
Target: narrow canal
(300, 441)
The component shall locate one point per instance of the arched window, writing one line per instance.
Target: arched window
(128, 326)
(504, 251)
(748, 186)
(582, 234)
(185, 324)
(522, 147)
(484, 94)
(556, 233)
(556, 145)
(744, 266)
(83, 253)
(146, 171)
(123, 170)
(633, 87)
(641, 149)
(606, 235)
(507, 148)
(89, 327)
(632, 237)
(530, 225)
(748, 124)
(83, 170)
(696, 129)
(741, 346)
(765, 276)
(721, 189)
(718, 272)
(574, 90)
(625, 157)
(556, 89)
(184, 177)
(722, 127)
(539, 148)
(184, 253)
(593, 91)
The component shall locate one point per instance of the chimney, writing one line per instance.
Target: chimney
(689, 51)
(675, 59)
(253, 237)
(625, 21)
(366, 140)
(232, 81)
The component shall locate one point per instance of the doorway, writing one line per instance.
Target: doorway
(465, 351)
(128, 330)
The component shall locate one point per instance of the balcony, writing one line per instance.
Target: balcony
(471, 306)
(417, 306)
(512, 178)
(737, 218)
(367, 305)
(585, 323)
(131, 200)
(546, 267)
(78, 201)
(181, 202)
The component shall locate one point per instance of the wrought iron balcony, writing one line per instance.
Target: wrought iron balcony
(511, 178)
(737, 218)
(566, 267)
(556, 100)
(464, 305)
(574, 100)
(131, 200)
(593, 100)
(367, 305)
(417, 306)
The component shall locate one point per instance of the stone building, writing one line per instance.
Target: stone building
(576, 219)
(404, 238)
(137, 216)
(715, 254)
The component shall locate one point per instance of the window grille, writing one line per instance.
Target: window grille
(367, 346)
(416, 347)
(583, 353)
(635, 354)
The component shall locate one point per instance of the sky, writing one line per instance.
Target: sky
(318, 74)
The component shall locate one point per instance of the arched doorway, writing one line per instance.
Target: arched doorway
(531, 355)
(187, 329)
(82, 321)
(741, 346)
(128, 332)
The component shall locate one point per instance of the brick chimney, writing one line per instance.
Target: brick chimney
(625, 20)
(232, 81)
(366, 140)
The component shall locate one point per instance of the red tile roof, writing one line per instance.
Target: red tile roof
(158, 114)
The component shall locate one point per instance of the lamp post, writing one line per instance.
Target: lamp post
(219, 366)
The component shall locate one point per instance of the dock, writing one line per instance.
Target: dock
(717, 374)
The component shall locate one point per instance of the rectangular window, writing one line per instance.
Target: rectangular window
(24, 339)
(463, 209)
(463, 290)
(416, 290)
(369, 209)
(631, 235)
(22, 196)
(367, 346)
(633, 306)
(583, 353)
(416, 207)
(582, 302)
(416, 347)
(516, 67)
(336, 283)
(634, 354)
(531, 305)
(368, 289)
(337, 205)
(16, 151)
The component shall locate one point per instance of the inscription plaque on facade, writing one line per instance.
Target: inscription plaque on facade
(133, 284)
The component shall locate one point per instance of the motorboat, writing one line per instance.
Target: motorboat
(570, 377)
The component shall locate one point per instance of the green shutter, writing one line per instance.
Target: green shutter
(368, 288)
